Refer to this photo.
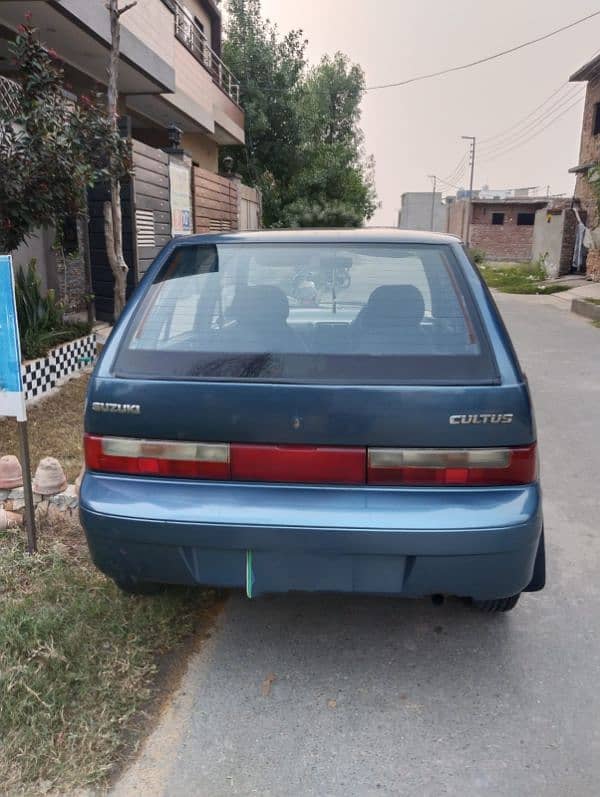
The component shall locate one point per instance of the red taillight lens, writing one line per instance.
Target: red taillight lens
(299, 464)
(157, 457)
(312, 464)
(429, 467)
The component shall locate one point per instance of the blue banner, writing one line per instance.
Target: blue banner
(11, 383)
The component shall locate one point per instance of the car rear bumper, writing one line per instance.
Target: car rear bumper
(274, 538)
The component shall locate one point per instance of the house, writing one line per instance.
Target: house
(502, 228)
(589, 152)
(179, 104)
(419, 209)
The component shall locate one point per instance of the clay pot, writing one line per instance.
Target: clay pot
(49, 477)
(9, 520)
(11, 475)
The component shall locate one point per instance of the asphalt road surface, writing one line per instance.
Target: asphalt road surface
(363, 696)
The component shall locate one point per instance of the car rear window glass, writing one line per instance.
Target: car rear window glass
(357, 313)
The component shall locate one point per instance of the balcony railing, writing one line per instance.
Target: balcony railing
(190, 35)
(10, 98)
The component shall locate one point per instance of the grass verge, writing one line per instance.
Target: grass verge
(78, 661)
(55, 428)
(527, 278)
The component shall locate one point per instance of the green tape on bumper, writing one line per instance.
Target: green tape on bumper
(249, 575)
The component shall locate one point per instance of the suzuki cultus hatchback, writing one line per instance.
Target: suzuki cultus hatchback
(333, 411)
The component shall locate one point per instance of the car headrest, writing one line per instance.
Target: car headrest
(389, 304)
(265, 302)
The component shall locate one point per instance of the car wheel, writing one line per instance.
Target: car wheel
(132, 587)
(498, 604)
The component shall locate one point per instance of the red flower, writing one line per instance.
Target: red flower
(28, 17)
(52, 53)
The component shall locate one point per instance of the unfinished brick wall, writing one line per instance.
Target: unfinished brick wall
(589, 152)
(508, 241)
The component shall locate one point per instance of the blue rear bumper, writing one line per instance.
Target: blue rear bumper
(473, 542)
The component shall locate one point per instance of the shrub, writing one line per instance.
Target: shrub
(477, 256)
(40, 316)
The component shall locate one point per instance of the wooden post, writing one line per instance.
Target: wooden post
(27, 489)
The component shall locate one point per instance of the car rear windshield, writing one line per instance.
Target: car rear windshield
(364, 313)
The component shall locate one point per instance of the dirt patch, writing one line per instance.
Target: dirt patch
(55, 428)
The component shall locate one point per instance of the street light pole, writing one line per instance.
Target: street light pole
(434, 178)
(473, 141)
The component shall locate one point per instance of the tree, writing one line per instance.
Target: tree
(113, 219)
(270, 69)
(303, 139)
(334, 187)
(52, 147)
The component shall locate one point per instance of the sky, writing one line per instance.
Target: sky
(415, 131)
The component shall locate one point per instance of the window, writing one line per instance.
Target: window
(525, 219)
(360, 313)
(597, 119)
(498, 218)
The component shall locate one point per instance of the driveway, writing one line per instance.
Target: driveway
(359, 696)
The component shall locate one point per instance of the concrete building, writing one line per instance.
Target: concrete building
(172, 84)
(417, 209)
(170, 73)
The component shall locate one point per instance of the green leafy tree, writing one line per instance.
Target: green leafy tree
(303, 138)
(334, 187)
(270, 68)
(52, 148)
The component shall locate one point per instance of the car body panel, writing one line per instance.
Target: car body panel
(478, 542)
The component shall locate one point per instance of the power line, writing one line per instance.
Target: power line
(538, 132)
(510, 139)
(457, 170)
(278, 89)
(516, 124)
(484, 60)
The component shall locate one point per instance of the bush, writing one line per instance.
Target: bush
(41, 324)
(477, 256)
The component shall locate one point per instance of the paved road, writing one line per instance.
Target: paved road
(428, 700)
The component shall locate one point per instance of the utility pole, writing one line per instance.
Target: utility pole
(434, 178)
(473, 141)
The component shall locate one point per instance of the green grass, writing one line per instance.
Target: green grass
(527, 278)
(591, 301)
(78, 660)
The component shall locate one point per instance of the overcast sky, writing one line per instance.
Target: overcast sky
(416, 130)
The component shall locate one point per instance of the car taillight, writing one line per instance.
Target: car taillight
(430, 467)
(291, 464)
(298, 464)
(157, 457)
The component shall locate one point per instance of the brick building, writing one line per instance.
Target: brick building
(589, 153)
(503, 229)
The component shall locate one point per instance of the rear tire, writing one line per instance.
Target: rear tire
(131, 587)
(498, 604)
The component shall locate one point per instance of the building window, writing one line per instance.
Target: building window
(597, 118)
(525, 219)
(498, 218)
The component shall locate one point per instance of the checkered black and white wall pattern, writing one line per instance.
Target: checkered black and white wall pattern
(40, 376)
(73, 356)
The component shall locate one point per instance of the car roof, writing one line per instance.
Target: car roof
(370, 235)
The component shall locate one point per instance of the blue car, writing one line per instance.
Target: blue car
(331, 411)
